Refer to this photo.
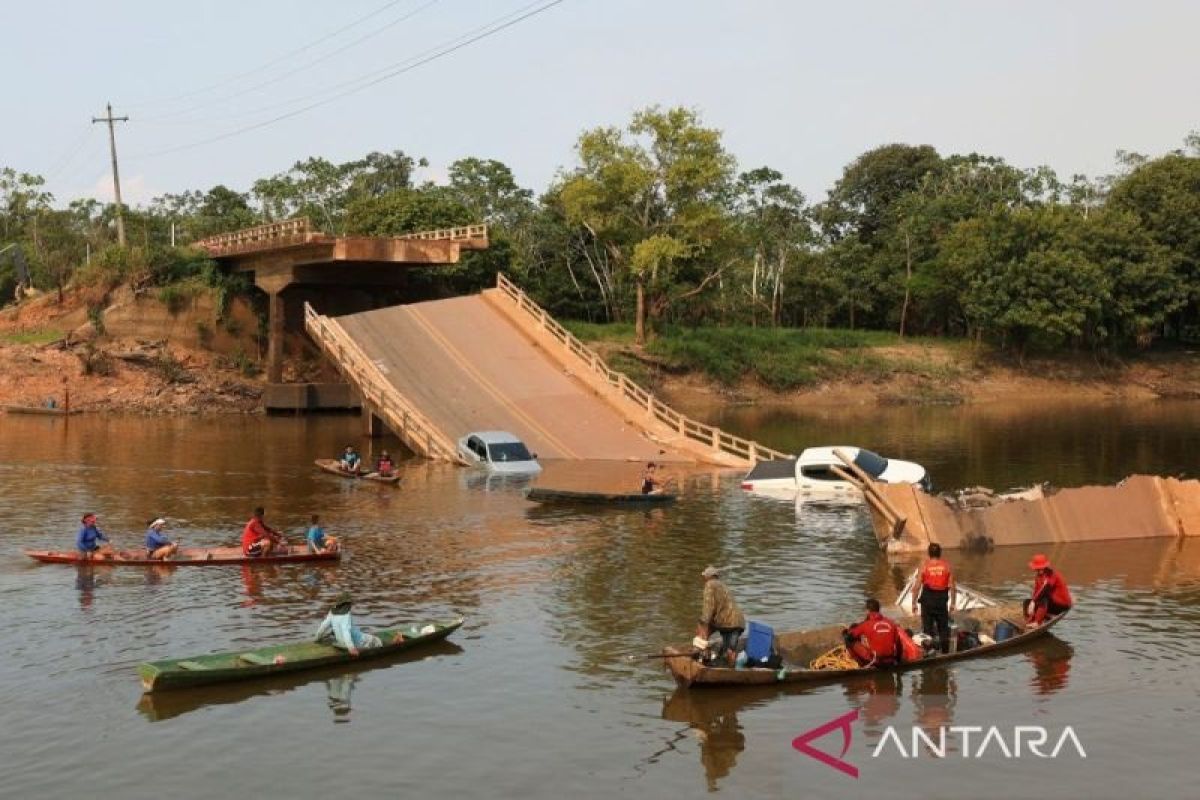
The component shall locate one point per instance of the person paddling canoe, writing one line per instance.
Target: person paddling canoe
(385, 467)
(158, 546)
(317, 541)
(350, 460)
(91, 541)
(338, 629)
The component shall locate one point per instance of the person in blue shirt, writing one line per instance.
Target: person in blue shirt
(158, 546)
(318, 542)
(91, 541)
(350, 460)
(338, 629)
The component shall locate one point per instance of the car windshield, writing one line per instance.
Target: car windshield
(871, 463)
(509, 451)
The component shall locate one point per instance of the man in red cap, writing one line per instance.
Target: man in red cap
(1051, 596)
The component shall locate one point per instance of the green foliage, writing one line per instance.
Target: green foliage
(95, 316)
(171, 370)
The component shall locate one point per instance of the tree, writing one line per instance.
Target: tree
(1164, 195)
(773, 220)
(652, 198)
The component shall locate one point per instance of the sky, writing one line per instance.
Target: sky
(803, 87)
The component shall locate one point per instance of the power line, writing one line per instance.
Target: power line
(387, 76)
(301, 68)
(334, 88)
(267, 64)
(69, 154)
(112, 141)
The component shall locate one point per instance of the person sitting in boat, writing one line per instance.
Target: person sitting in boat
(936, 595)
(1051, 596)
(317, 541)
(91, 541)
(350, 461)
(259, 538)
(158, 546)
(651, 483)
(384, 466)
(719, 612)
(874, 642)
(338, 628)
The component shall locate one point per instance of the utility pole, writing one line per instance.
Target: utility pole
(112, 143)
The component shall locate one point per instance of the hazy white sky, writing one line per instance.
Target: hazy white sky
(800, 86)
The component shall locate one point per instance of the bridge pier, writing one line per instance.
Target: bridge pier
(373, 426)
(275, 337)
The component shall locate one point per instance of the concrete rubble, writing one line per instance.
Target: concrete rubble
(1139, 507)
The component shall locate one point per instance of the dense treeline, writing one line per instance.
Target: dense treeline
(655, 224)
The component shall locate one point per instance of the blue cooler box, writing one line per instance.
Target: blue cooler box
(759, 641)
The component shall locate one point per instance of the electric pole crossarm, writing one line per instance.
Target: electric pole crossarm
(112, 143)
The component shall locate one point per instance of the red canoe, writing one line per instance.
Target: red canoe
(184, 557)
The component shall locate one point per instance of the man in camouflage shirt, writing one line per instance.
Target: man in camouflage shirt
(719, 612)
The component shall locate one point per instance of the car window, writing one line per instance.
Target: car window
(509, 451)
(871, 463)
(819, 472)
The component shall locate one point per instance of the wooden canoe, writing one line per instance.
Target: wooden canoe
(42, 411)
(540, 495)
(799, 648)
(184, 557)
(182, 673)
(332, 465)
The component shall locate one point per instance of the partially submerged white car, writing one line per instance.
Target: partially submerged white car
(811, 474)
(499, 452)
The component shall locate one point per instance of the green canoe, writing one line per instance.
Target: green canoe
(184, 673)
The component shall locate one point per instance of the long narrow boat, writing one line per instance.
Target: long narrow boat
(183, 673)
(42, 411)
(331, 465)
(184, 557)
(800, 648)
(540, 495)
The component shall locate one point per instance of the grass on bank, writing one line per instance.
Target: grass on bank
(32, 337)
(781, 359)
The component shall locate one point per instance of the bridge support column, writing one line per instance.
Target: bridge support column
(373, 425)
(275, 338)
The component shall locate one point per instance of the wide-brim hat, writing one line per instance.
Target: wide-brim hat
(710, 572)
(1039, 562)
(343, 599)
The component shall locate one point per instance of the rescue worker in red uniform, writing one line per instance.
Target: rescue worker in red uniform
(874, 642)
(1051, 596)
(936, 596)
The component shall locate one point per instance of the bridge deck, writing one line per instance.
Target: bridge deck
(468, 368)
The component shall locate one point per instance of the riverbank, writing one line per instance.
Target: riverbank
(723, 366)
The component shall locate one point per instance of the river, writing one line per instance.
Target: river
(545, 692)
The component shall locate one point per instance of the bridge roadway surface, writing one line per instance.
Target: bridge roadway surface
(467, 367)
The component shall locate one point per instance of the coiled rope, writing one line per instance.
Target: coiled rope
(837, 658)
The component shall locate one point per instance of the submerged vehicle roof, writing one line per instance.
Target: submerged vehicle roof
(495, 437)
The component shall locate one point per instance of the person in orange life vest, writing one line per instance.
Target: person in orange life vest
(1051, 596)
(384, 465)
(875, 641)
(259, 538)
(936, 595)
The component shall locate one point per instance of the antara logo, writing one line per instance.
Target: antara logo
(973, 741)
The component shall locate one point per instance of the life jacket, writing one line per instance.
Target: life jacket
(936, 575)
(881, 635)
(1052, 587)
(909, 650)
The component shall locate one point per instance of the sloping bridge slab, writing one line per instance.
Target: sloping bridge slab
(467, 367)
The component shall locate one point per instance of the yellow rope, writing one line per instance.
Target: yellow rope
(837, 658)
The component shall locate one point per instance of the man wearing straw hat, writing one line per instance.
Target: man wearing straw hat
(158, 546)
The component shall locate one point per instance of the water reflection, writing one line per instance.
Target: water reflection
(1051, 666)
(339, 690)
(876, 696)
(934, 695)
(86, 583)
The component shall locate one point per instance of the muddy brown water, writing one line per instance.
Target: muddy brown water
(543, 693)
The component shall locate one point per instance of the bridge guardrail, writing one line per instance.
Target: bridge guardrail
(656, 409)
(378, 394)
(452, 234)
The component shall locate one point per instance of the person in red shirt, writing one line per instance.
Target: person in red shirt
(259, 538)
(936, 596)
(874, 642)
(1051, 596)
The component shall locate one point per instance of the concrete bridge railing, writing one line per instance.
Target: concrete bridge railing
(684, 426)
(378, 395)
